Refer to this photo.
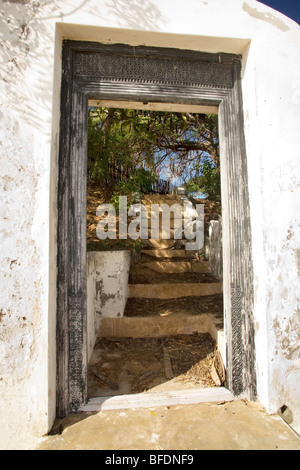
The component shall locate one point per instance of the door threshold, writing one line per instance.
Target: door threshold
(155, 399)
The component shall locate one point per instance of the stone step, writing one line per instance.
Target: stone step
(157, 326)
(162, 253)
(173, 291)
(167, 235)
(170, 215)
(162, 244)
(179, 266)
(178, 225)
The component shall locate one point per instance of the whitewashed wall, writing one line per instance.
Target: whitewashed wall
(107, 289)
(31, 35)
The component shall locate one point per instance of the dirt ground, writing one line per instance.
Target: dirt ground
(127, 365)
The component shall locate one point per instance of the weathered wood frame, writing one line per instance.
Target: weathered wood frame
(177, 76)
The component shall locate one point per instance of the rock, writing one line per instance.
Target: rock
(286, 414)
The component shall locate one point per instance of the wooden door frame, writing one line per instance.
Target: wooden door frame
(147, 74)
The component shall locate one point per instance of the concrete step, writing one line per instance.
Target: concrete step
(171, 216)
(166, 235)
(157, 326)
(163, 253)
(162, 244)
(162, 229)
(174, 291)
(179, 266)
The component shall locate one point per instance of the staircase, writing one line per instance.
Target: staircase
(169, 340)
(171, 291)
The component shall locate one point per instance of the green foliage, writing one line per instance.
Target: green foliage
(208, 182)
(141, 181)
(144, 180)
(127, 147)
(119, 146)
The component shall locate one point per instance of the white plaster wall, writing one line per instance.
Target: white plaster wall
(107, 289)
(31, 34)
(27, 396)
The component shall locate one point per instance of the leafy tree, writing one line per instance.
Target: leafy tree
(127, 148)
(207, 183)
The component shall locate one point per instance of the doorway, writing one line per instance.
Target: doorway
(167, 332)
(150, 75)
